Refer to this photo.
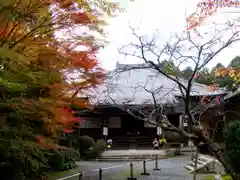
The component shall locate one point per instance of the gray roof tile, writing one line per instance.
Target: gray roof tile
(134, 86)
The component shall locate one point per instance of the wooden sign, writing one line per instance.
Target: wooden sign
(159, 130)
(105, 131)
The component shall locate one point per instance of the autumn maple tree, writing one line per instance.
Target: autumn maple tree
(233, 73)
(47, 62)
(39, 64)
(207, 8)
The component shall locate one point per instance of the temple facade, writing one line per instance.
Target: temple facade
(137, 87)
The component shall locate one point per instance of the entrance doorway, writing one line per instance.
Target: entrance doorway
(130, 125)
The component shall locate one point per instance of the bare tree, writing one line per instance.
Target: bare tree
(179, 49)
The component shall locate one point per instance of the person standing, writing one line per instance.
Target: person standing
(109, 144)
(155, 144)
(162, 142)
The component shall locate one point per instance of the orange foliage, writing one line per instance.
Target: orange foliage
(47, 145)
(81, 18)
(52, 61)
(65, 3)
(233, 73)
(207, 8)
(208, 100)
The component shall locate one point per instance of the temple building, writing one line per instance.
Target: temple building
(137, 87)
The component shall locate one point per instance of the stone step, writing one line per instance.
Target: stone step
(122, 159)
(189, 167)
(202, 161)
(192, 163)
(131, 155)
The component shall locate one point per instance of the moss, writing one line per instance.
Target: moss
(225, 177)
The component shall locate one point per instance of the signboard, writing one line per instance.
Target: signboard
(105, 131)
(183, 121)
(185, 124)
(190, 143)
(159, 130)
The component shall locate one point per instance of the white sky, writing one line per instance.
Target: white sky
(167, 16)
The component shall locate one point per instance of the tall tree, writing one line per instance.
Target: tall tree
(235, 63)
(205, 77)
(218, 65)
(207, 8)
(202, 52)
(187, 72)
(44, 71)
(171, 68)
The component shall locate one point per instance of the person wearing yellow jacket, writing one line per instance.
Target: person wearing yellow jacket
(162, 142)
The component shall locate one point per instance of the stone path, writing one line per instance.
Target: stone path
(133, 152)
(171, 169)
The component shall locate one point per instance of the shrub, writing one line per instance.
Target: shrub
(61, 159)
(56, 160)
(85, 143)
(74, 154)
(96, 151)
(21, 160)
(232, 144)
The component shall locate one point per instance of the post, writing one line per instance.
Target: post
(131, 173)
(145, 173)
(80, 176)
(105, 134)
(100, 174)
(156, 164)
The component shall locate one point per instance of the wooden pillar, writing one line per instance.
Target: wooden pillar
(105, 120)
(181, 121)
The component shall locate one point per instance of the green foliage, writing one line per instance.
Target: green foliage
(74, 154)
(232, 144)
(96, 150)
(21, 159)
(85, 143)
(187, 72)
(170, 68)
(60, 160)
(224, 177)
(235, 63)
(205, 76)
(56, 160)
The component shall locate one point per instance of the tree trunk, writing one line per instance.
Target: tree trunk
(217, 152)
(223, 159)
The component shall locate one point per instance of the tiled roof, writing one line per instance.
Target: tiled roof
(232, 94)
(135, 85)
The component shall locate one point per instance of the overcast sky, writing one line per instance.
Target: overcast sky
(167, 16)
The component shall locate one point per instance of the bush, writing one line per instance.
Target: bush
(232, 144)
(85, 143)
(74, 154)
(21, 160)
(60, 160)
(56, 160)
(96, 151)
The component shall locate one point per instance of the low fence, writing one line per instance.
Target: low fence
(99, 173)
